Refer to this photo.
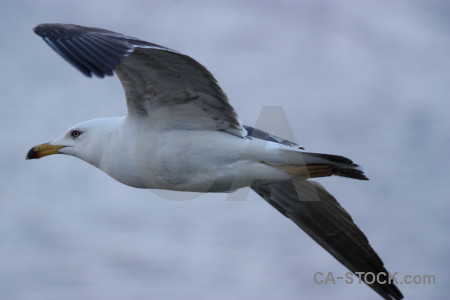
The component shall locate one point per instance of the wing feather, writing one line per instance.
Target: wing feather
(309, 205)
(161, 84)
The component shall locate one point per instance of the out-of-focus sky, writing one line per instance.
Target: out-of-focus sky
(366, 79)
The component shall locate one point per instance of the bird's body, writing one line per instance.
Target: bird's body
(181, 133)
(182, 160)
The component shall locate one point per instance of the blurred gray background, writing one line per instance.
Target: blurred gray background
(366, 79)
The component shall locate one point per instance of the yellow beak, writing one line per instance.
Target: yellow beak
(43, 150)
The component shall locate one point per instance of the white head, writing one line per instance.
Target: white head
(84, 140)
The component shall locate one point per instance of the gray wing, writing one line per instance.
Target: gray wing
(170, 88)
(309, 205)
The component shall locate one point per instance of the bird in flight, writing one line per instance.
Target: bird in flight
(181, 133)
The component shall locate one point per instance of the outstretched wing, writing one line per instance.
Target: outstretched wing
(170, 88)
(317, 212)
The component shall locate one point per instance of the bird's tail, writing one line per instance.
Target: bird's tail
(341, 166)
(311, 165)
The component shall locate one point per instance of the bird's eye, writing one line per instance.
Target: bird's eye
(75, 133)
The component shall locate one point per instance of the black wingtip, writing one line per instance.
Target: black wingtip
(44, 28)
(38, 28)
(64, 30)
(93, 51)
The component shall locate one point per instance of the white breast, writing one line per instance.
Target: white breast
(189, 160)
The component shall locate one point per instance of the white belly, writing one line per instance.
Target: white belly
(197, 161)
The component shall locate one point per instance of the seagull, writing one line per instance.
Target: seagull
(181, 133)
